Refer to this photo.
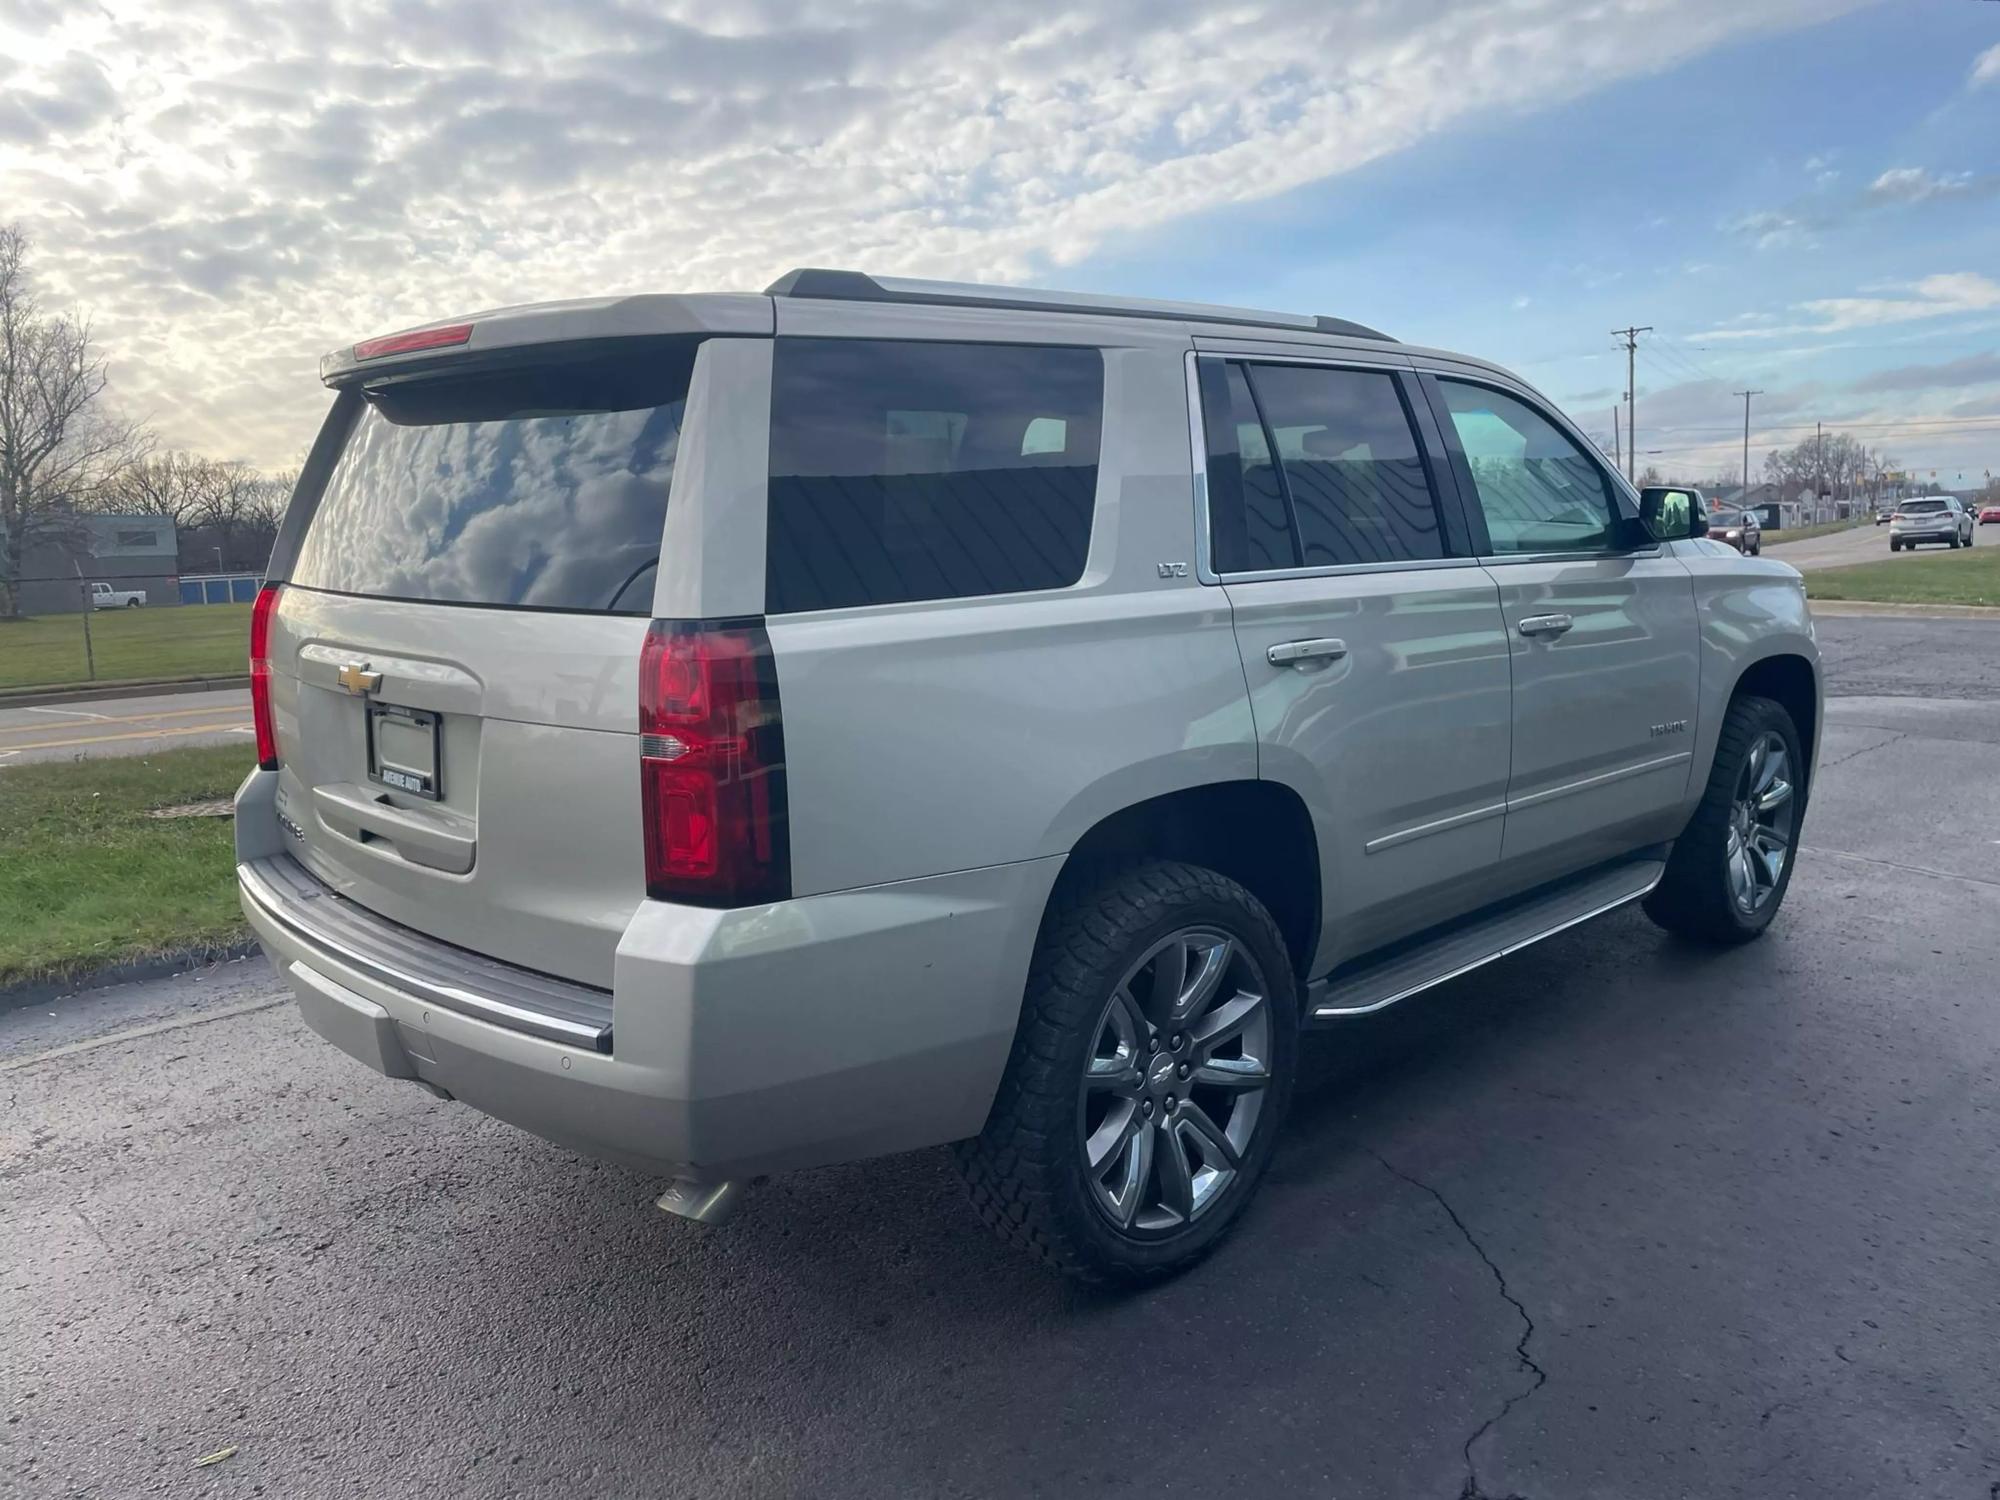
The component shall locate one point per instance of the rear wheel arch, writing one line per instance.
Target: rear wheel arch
(1258, 833)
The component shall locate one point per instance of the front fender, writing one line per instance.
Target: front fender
(1749, 609)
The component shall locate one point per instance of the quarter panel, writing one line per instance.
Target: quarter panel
(927, 738)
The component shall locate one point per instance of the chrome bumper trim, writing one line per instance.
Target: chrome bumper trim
(422, 967)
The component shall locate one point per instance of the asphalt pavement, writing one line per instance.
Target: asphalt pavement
(1616, 1217)
(122, 726)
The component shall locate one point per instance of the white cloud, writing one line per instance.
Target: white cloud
(233, 187)
(1986, 66)
(1915, 185)
(1937, 296)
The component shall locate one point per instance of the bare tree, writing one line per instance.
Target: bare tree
(225, 513)
(58, 443)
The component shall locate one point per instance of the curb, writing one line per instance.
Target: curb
(89, 693)
(1864, 608)
(160, 966)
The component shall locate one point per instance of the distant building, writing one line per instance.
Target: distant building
(127, 552)
(1773, 510)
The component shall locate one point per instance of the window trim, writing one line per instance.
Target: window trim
(1455, 527)
(1624, 511)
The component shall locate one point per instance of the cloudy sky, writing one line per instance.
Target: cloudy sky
(1800, 195)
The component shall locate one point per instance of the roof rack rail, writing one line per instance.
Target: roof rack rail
(858, 286)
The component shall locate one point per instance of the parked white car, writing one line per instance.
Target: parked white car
(104, 596)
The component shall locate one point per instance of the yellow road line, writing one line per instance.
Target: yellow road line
(135, 734)
(165, 713)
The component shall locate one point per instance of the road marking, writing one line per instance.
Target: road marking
(165, 713)
(136, 734)
(69, 713)
(134, 1033)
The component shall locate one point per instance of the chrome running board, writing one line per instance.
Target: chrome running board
(1376, 983)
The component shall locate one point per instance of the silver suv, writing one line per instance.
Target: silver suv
(1930, 518)
(726, 734)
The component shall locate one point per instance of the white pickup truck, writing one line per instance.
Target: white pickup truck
(104, 596)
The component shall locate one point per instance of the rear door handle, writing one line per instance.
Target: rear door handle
(1305, 654)
(1538, 625)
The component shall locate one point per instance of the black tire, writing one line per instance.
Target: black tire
(131, 603)
(1025, 1171)
(1894, 545)
(1953, 543)
(1693, 898)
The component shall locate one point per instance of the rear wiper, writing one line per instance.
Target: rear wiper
(630, 579)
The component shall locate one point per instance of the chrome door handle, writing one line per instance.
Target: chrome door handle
(1305, 654)
(1537, 625)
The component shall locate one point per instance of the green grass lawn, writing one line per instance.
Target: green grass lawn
(1963, 577)
(1806, 533)
(131, 645)
(87, 879)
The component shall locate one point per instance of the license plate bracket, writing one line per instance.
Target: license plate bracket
(404, 751)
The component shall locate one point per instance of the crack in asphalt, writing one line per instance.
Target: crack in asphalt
(1901, 734)
(1471, 1489)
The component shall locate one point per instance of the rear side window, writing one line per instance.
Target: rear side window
(1311, 466)
(530, 488)
(905, 470)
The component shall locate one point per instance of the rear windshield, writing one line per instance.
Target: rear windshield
(530, 488)
(1910, 505)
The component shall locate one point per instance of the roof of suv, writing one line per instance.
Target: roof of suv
(753, 314)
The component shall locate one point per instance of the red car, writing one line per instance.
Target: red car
(1989, 513)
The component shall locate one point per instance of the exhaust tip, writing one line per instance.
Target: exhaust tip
(703, 1202)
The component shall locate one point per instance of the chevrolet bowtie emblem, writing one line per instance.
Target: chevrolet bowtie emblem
(357, 679)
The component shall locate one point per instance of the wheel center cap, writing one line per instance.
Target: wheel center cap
(1160, 1076)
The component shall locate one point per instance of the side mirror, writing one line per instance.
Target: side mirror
(1669, 515)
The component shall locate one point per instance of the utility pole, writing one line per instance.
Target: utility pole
(1617, 450)
(1746, 395)
(1819, 470)
(1631, 337)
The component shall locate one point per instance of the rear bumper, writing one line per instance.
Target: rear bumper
(798, 1034)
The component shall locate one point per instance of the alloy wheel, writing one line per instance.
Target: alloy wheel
(1179, 1067)
(1762, 818)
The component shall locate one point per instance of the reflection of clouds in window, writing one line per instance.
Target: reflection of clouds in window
(552, 512)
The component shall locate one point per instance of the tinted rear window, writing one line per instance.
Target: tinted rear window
(1912, 505)
(904, 470)
(533, 488)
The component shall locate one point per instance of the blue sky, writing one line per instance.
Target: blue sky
(1716, 196)
(1800, 195)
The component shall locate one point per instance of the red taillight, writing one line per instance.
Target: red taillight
(409, 343)
(712, 765)
(260, 675)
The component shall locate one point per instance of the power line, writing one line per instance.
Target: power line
(1681, 352)
(1957, 424)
